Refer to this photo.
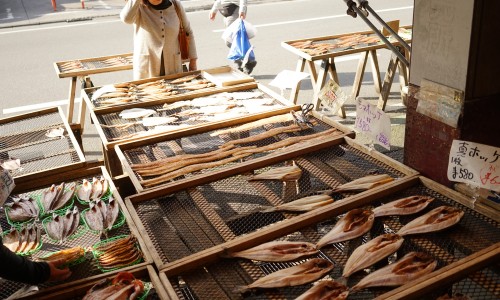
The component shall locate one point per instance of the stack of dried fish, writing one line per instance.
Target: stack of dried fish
(56, 197)
(123, 286)
(100, 216)
(24, 240)
(88, 191)
(118, 253)
(278, 251)
(62, 227)
(325, 290)
(68, 255)
(410, 267)
(22, 208)
(303, 273)
(353, 224)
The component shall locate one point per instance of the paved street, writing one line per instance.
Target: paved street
(34, 36)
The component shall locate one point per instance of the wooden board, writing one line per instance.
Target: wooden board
(225, 76)
(24, 137)
(86, 271)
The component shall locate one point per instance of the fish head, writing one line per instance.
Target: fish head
(124, 278)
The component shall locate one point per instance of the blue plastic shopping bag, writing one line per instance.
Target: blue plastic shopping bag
(241, 46)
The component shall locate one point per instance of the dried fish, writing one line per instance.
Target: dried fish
(363, 183)
(11, 240)
(55, 132)
(353, 224)
(97, 189)
(112, 212)
(68, 255)
(437, 219)
(155, 121)
(93, 217)
(303, 273)
(123, 286)
(277, 251)
(185, 79)
(405, 206)
(303, 204)
(118, 253)
(62, 227)
(371, 252)
(255, 124)
(84, 190)
(51, 195)
(55, 228)
(23, 208)
(62, 199)
(411, 266)
(135, 113)
(325, 290)
(287, 173)
(24, 240)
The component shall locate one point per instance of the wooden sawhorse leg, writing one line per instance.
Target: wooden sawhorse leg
(358, 78)
(71, 98)
(394, 64)
(87, 83)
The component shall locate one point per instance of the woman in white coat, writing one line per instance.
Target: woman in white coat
(156, 45)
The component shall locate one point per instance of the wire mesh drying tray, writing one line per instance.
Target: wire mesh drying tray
(87, 270)
(338, 45)
(115, 130)
(94, 65)
(182, 220)
(206, 275)
(25, 137)
(189, 159)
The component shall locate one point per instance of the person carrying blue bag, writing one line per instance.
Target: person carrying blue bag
(234, 10)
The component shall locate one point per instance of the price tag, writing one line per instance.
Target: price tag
(6, 185)
(374, 122)
(332, 97)
(476, 164)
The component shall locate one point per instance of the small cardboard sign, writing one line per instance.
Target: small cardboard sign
(374, 122)
(476, 164)
(6, 185)
(332, 97)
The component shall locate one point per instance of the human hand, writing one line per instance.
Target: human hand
(56, 273)
(211, 16)
(192, 65)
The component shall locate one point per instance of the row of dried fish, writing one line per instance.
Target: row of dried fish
(72, 66)
(119, 253)
(94, 190)
(317, 48)
(123, 286)
(101, 216)
(22, 208)
(118, 61)
(59, 228)
(69, 255)
(23, 240)
(56, 197)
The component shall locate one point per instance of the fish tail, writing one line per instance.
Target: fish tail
(267, 209)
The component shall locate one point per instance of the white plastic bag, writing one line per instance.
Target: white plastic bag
(230, 32)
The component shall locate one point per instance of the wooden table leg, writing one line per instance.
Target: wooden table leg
(389, 78)
(375, 71)
(83, 106)
(295, 91)
(360, 72)
(71, 98)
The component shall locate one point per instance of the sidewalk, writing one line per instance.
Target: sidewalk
(14, 13)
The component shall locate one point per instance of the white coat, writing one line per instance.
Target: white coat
(156, 34)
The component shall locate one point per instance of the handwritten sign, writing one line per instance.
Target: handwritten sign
(373, 122)
(6, 185)
(332, 97)
(476, 164)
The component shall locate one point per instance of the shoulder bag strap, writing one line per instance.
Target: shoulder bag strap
(174, 2)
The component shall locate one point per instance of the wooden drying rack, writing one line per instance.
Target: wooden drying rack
(318, 79)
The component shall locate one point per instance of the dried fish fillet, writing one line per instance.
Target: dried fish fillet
(93, 217)
(287, 173)
(373, 251)
(22, 209)
(11, 240)
(363, 183)
(325, 290)
(304, 273)
(303, 204)
(353, 224)
(135, 113)
(85, 190)
(55, 228)
(406, 206)
(278, 251)
(411, 266)
(68, 255)
(435, 220)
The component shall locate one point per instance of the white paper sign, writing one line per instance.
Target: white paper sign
(6, 185)
(373, 122)
(476, 164)
(287, 79)
(332, 97)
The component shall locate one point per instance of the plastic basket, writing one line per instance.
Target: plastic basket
(78, 233)
(97, 253)
(120, 220)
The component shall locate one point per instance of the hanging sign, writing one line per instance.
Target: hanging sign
(374, 122)
(6, 185)
(475, 164)
(332, 97)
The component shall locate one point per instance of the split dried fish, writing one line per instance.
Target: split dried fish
(24, 240)
(55, 132)
(101, 216)
(135, 113)
(410, 267)
(252, 125)
(123, 286)
(11, 240)
(406, 206)
(119, 253)
(62, 227)
(22, 208)
(325, 290)
(94, 190)
(371, 252)
(437, 219)
(363, 183)
(278, 251)
(68, 255)
(303, 273)
(185, 79)
(303, 204)
(353, 224)
(56, 197)
(287, 173)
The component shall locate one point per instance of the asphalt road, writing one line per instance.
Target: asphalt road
(27, 55)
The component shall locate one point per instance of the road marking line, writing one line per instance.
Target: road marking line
(57, 27)
(317, 19)
(33, 107)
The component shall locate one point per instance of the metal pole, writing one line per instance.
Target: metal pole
(400, 40)
(381, 36)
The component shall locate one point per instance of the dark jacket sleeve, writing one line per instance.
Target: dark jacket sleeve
(17, 268)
